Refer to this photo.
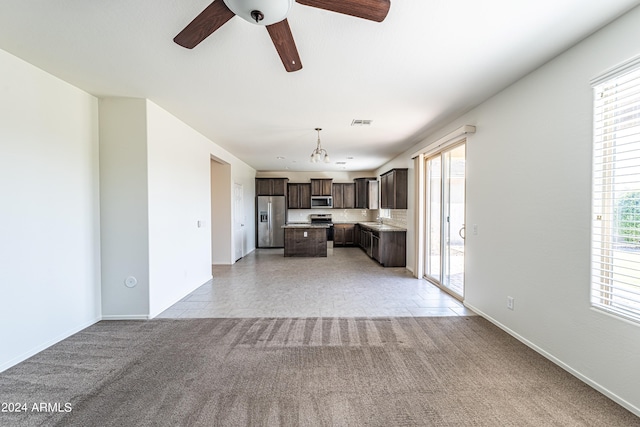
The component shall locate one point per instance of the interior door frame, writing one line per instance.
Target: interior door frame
(221, 212)
(238, 221)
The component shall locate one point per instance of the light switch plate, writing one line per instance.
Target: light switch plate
(510, 303)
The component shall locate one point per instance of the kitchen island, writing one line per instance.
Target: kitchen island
(305, 240)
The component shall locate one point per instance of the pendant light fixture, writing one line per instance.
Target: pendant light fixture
(319, 152)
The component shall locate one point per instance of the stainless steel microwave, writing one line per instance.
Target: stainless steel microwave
(321, 201)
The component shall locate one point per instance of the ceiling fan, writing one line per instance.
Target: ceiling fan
(273, 15)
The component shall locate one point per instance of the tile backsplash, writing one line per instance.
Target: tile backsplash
(338, 215)
(397, 217)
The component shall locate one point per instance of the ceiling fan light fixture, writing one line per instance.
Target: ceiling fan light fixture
(272, 14)
(257, 16)
(260, 12)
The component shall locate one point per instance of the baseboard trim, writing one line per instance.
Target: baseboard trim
(620, 401)
(37, 349)
(125, 317)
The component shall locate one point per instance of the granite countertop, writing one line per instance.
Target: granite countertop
(304, 225)
(372, 225)
(381, 227)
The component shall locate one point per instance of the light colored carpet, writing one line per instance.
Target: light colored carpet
(448, 371)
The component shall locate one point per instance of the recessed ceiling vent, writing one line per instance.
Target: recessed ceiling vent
(361, 122)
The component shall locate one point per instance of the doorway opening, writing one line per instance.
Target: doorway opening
(221, 220)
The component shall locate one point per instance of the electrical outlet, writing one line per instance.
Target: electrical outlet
(510, 303)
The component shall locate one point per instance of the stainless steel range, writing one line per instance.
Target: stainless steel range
(323, 219)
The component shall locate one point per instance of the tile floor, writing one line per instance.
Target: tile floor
(344, 284)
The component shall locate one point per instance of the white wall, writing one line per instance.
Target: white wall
(179, 198)
(155, 189)
(49, 214)
(529, 182)
(124, 207)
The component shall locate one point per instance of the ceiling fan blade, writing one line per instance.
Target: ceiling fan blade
(209, 20)
(374, 10)
(282, 38)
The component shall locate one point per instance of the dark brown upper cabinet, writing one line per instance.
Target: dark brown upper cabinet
(366, 193)
(321, 187)
(299, 196)
(271, 186)
(344, 195)
(394, 189)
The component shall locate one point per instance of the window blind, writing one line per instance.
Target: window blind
(615, 245)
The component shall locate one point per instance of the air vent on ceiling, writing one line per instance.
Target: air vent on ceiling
(360, 122)
(341, 163)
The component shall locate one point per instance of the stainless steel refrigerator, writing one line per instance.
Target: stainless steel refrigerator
(272, 211)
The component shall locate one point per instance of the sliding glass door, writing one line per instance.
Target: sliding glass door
(433, 262)
(445, 213)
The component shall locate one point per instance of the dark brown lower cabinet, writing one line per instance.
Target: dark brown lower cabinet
(386, 247)
(344, 234)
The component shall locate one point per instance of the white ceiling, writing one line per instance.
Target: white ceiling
(429, 61)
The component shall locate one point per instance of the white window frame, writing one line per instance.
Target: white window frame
(615, 242)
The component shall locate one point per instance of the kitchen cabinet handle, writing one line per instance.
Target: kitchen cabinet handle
(269, 216)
